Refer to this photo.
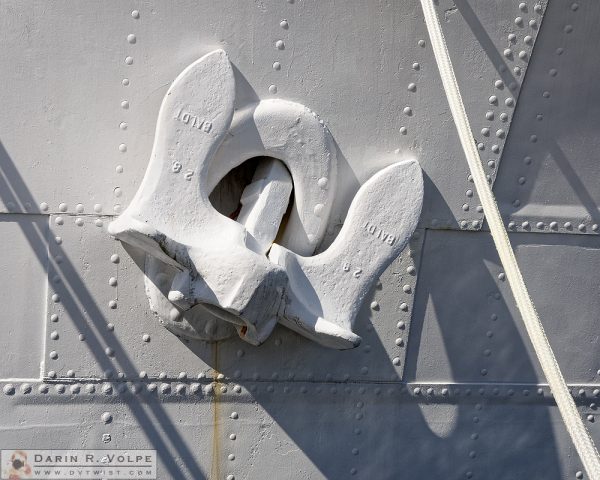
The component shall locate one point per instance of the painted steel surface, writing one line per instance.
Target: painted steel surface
(444, 383)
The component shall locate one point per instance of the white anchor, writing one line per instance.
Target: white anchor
(222, 269)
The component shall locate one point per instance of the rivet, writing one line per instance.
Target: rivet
(279, 45)
(322, 182)
(9, 389)
(128, 60)
(407, 288)
(412, 87)
(493, 99)
(272, 89)
(146, 337)
(407, 111)
(112, 304)
(125, 104)
(106, 417)
(234, 415)
(114, 258)
(540, 225)
(568, 28)
(53, 355)
(135, 14)
(416, 66)
(276, 66)
(396, 361)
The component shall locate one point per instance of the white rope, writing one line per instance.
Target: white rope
(573, 422)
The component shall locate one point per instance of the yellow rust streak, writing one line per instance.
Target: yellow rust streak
(215, 469)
